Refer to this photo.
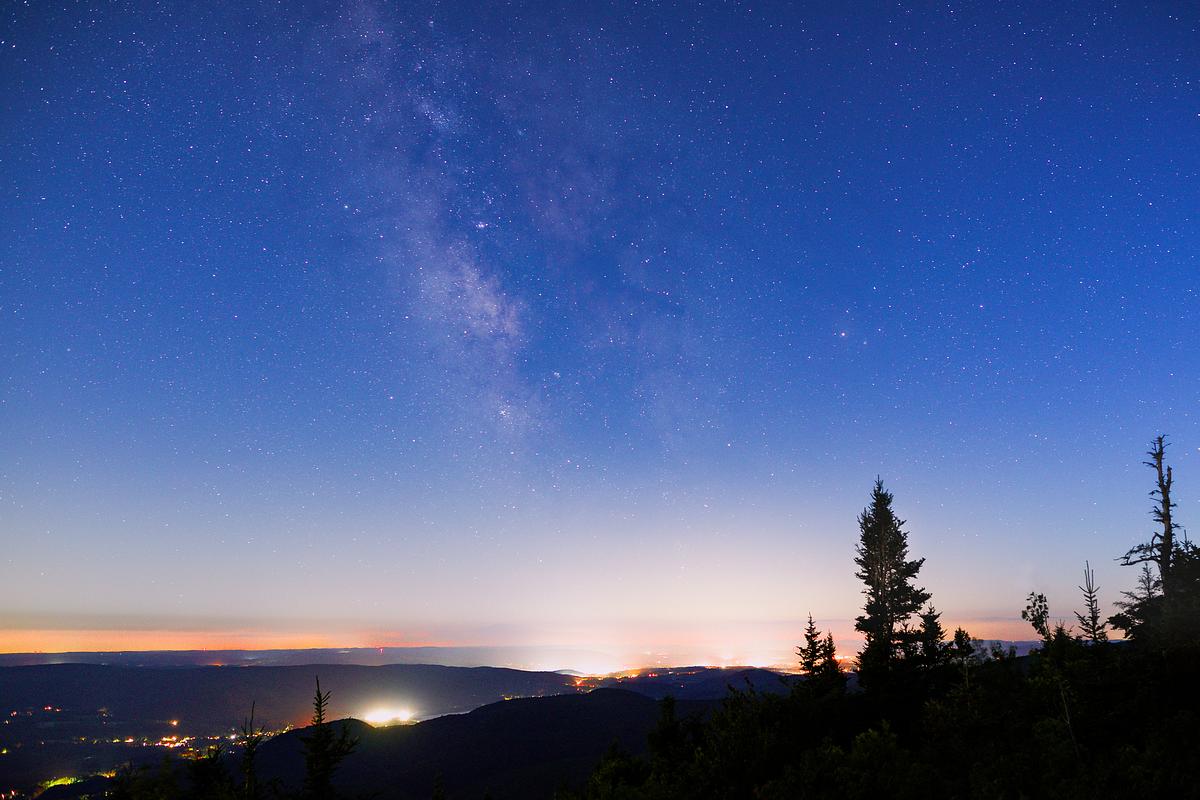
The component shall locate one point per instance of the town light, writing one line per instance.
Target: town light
(380, 717)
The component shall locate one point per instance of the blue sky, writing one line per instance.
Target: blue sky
(539, 324)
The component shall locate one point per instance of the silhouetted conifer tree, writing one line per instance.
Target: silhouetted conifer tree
(252, 739)
(812, 651)
(1137, 605)
(323, 751)
(1148, 588)
(829, 653)
(1090, 622)
(962, 652)
(934, 651)
(829, 670)
(962, 647)
(892, 596)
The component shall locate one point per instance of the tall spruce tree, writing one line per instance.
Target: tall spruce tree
(892, 597)
(812, 651)
(818, 660)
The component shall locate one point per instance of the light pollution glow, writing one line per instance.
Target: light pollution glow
(767, 646)
(382, 717)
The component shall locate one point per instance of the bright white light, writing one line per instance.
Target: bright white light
(388, 716)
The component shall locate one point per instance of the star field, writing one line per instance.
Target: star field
(523, 323)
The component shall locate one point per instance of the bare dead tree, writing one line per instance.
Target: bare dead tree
(1161, 548)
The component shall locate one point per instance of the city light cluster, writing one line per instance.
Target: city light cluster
(382, 717)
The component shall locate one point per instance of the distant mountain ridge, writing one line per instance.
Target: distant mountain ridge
(517, 749)
(215, 699)
(520, 657)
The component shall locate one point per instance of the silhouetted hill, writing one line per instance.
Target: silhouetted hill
(215, 699)
(87, 788)
(515, 749)
(700, 683)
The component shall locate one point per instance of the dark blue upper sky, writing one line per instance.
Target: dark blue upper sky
(480, 322)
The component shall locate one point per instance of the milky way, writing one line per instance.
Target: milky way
(387, 323)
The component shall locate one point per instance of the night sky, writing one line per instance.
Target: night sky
(583, 324)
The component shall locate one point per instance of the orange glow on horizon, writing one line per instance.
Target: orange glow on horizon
(614, 650)
(71, 641)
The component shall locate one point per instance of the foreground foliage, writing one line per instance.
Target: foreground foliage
(1072, 721)
(1081, 717)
